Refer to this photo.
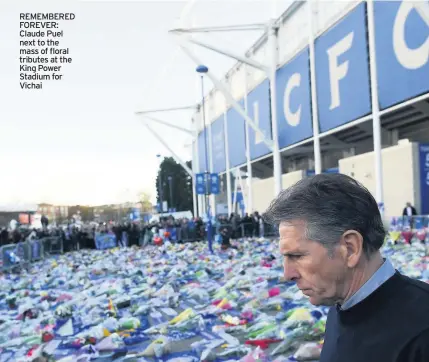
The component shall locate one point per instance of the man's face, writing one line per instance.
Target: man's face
(318, 273)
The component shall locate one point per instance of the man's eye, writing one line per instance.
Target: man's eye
(293, 256)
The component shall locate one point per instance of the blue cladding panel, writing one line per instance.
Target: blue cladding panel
(342, 76)
(402, 52)
(259, 101)
(424, 178)
(293, 101)
(236, 137)
(202, 152)
(218, 146)
(342, 71)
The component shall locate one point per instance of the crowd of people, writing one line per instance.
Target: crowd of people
(75, 237)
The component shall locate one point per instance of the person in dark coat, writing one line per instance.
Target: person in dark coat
(117, 230)
(247, 225)
(256, 224)
(225, 232)
(44, 221)
(4, 237)
(409, 210)
(134, 235)
(331, 232)
(199, 227)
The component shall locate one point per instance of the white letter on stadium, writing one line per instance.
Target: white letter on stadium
(409, 58)
(293, 118)
(338, 71)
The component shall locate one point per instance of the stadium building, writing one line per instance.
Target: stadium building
(338, 88)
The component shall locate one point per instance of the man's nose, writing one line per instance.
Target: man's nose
(290, 272)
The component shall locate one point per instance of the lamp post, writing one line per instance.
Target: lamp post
(170, 184)
(202, 69)
(164, 186)
(160, 184)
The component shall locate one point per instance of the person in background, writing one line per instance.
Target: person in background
(91, 238)
(118, 233)
(409, 210)
(224, 230)
(17, 237)
(32, 235)
(4, 237)
(247, 226)
(74, 237)
(234, 220)
(134, 234)
(256, 224)
(62, 235)
(331, 232)
(82, 238)
(199, 228)
(45, 222)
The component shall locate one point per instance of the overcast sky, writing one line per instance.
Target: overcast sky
(77, 141)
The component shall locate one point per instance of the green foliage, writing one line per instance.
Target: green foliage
(181, 185)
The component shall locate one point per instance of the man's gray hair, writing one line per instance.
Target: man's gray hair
(330, 204)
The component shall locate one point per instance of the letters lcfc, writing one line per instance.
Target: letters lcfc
(340, 54)
(293, 118)
(338, 71)
(407, 57)
(342, 76)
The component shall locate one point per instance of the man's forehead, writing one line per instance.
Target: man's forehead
(290, 244)
(292, 229)
(295, 224)
(291, 239)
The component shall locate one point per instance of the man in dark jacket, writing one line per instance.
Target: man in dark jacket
(225, 231)
(44, 221)
(247, 225)
(256, 220)
(4, 237)
(409, 210)
(330, 235)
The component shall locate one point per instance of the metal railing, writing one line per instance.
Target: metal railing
(37, 249)
(409, 222)
(53, 245)
(408, 229)
(22, 254)
(191, 233)
(15, 256)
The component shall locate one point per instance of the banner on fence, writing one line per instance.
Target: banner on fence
(36, 249)
(418, 222)
(424, 178)
(105, 241)
(14, 254)
(20, 250)
(9, 256)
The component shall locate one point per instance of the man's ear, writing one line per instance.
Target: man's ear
(353, 242)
